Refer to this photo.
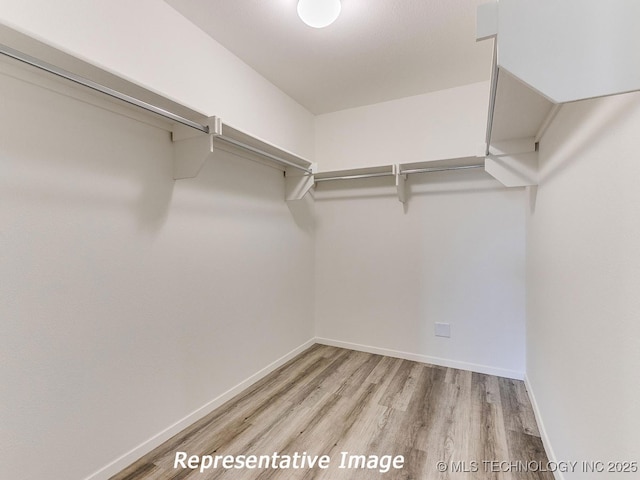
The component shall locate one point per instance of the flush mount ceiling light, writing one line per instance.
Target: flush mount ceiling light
(319, 13)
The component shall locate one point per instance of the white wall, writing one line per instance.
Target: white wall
(129, 300)
(583, 333)
(384, 277)
(445, 124)
(151, 44)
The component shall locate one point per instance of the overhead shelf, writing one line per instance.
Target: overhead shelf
(355, 173)
(194, 135)
(264, 150)
(518, 114)
(433, 166)
(538, 65)
(64, 70)
(570, 50)
(517, 119)
(430, 166)
(400, 171)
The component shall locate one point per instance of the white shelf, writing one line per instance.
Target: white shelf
(542, 61)
(255, 148)
(517, 119)
(98, 75)
(194, 135)
(458, 163)
(355, 173)
(399, 172)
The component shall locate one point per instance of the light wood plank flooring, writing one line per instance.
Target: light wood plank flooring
(330, 400)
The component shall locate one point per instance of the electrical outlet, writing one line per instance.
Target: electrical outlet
(443, 330)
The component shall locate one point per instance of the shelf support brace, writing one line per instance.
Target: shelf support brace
(512, 147)
(191, 148)
(298, 183)
(517, 170)
(401, 184)
(514, 162)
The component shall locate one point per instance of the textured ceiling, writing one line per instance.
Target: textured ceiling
(377, 50)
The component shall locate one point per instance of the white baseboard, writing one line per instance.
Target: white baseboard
(145, 447)
(443, 362)
(543, 432)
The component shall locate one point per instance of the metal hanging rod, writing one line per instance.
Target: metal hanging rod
(262, 153)
(34, 62)
(439, 169)
(353, 177)
(402, 172)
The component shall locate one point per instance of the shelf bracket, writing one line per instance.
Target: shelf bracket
(517, 170)
(512, 147)
(192, 148)
(401, 184)
(298, 183)
(513, 162)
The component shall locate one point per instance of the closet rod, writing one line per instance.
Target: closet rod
(34, 62)
(439, 169)
(353, 177)
(262, 153)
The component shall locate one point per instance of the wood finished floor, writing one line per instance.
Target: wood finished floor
(328, 400)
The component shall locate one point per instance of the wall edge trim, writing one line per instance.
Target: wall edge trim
(416, 357)
(543, 432)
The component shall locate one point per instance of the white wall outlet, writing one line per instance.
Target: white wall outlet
(443, 330)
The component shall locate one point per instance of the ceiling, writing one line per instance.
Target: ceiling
(377, 50)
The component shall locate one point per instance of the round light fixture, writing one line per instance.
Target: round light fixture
(319, 13)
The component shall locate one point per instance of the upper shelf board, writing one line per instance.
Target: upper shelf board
(257, 149)
(567, 50)
(99, 75)
(194, 135)
(571, 50)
